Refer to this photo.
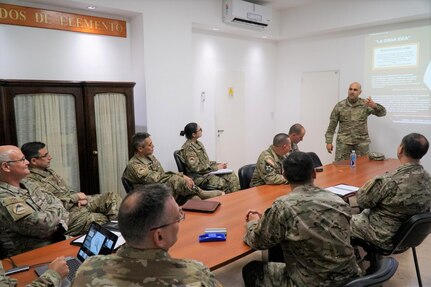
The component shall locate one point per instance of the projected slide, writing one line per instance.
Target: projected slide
(398, 73)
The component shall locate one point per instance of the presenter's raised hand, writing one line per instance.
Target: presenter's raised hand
(370, 103)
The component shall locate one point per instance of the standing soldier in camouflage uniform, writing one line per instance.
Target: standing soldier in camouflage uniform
(269, 166)
(392, 198)
(352, 114)
(83, 209)
(52, 277)
(312, 226)
(296, 135)
(29, 217)
(144, 168)
(149, 221)
(199, 166)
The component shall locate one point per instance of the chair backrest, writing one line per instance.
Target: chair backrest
(315, 158)
(244, 174)
(179, 161)
(386, 268)
(128, 186)
(412, 232)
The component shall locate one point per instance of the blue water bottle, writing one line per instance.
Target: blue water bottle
(353, 159)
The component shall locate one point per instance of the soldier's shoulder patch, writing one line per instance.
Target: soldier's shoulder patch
(269, 167)
(143, 170)
(17, 207)
(270, 162)
(140, 169)
(192, 160)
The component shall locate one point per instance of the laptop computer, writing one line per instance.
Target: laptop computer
(98, 241)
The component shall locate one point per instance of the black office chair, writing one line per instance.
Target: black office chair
(179, 161)
(386, 268)
(128, 186)
(411, 234)
(315, 158)
(245, 173)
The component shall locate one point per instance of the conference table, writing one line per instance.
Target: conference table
(230, 215)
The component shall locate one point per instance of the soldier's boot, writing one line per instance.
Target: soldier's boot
(204, 194)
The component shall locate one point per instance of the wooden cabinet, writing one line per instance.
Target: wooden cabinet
(87, 127)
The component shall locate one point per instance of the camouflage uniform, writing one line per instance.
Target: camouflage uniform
(137, 267)
(269, 169)
(198, 167)
(294, 147)
(100, 208)
(312, 226)
(50, 278)
(390, 200)
(147, 170)
(29, 218)
(353, 129)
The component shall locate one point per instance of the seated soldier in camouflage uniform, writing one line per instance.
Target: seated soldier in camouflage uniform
(29, 217)
(149, 220)
(52, 277)
(352, 114)
(269, 166)
(83, 209)
(296, 135)
(199, 166)
(312, 226)
(390, 199)
(144, 168)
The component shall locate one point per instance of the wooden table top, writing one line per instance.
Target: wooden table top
(230, 215)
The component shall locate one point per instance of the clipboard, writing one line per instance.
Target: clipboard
(197, 205)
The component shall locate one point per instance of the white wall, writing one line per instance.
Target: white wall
(32, 53)
(256, 59)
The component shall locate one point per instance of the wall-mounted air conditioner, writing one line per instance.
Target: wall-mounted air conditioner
(246, 14)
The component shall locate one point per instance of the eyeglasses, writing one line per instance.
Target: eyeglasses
(18, 160)
(42, 156)
(181, 218)
(199, 130)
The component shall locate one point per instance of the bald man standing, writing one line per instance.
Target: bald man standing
(29, 218)
(352, 114)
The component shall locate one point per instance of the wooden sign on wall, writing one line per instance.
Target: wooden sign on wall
(34, 17)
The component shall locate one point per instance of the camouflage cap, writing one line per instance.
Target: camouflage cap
(376, 156)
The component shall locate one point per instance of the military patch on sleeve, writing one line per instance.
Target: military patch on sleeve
(270, 162)
(192, 160)
(142, 170)
(269, 165)
(17, 207)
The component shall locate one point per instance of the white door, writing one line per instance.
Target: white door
(229, 118)
(319, 94)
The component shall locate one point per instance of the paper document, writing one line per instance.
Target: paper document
(222, 171)
(120, 240)
(342, 189)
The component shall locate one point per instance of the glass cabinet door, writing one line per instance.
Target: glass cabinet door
(50, 118)
(112, 140)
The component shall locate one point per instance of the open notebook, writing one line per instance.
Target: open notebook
(98, 241)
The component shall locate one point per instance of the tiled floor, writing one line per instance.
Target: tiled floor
(230, 275)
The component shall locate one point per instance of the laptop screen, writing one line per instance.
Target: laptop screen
(98, 241)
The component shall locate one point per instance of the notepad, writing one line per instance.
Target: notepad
(201, 205)
(343, 189)
(222, 171)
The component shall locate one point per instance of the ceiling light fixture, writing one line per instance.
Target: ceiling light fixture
(215, 29)
(91, 7)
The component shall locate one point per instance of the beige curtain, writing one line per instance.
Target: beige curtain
(112, 146)
(50, 118)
